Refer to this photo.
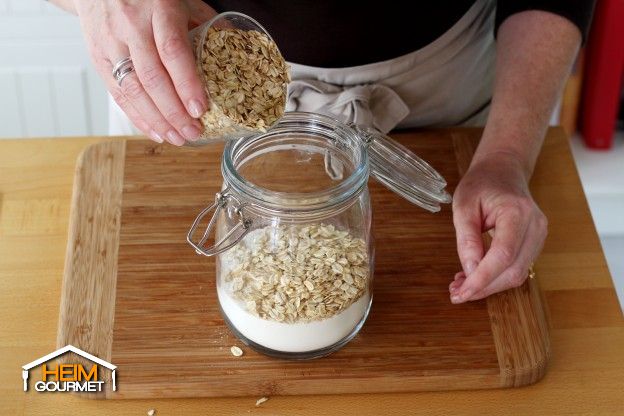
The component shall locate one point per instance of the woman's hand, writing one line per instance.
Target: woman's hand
(494, 196)
(164, 96)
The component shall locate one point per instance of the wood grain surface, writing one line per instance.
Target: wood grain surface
(521, 361)
(86, 316)
(585, 374)
(169, 338)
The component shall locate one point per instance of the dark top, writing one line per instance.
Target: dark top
(342, 33)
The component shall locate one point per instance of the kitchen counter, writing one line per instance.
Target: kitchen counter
(585, 374)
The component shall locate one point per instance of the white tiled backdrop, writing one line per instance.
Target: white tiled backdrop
(602, 175)
(48, 87)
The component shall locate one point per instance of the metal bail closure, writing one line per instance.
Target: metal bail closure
(227, 241)
(402, 171)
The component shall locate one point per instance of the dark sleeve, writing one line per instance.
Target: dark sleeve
(578, 12)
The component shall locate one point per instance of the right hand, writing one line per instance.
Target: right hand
(494, 196)
(164, 96)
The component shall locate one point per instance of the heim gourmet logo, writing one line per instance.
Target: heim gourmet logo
(68, 377)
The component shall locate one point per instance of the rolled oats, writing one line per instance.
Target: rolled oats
(245, 77)
(261, 400)
(236, 351)
(297, 273)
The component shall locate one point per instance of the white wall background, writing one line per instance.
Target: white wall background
(602, 175)
(48, 86)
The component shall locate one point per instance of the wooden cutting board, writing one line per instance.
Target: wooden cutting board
(137, 295)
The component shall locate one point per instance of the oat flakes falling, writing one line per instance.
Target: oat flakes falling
(245, 77)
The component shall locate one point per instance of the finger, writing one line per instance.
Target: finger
(517, 273)
(155, 82)
(457, 282)
(104, 68)
(467, 221)
(134, 116)
(137, 120)
(176, 54)
(104, 61)
(510, 229)
(132, 91)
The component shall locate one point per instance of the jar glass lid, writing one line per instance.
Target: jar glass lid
(391, 163)
(402, 171)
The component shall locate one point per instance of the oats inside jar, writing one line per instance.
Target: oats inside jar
(297, 273)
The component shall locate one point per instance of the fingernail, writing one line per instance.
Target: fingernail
(466, 294)
(175, 138)
(455, 299)
(470, 267)
(196, 108)
(191, 132)
(155, 136)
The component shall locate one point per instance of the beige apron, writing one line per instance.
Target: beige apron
(448, 82)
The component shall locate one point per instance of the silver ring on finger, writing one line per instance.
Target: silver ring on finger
(122, 69)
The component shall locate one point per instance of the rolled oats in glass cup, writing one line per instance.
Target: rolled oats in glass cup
(244, 75)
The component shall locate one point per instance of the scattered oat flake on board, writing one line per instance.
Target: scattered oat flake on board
(151, 412)
(236, 351)
(261, 400)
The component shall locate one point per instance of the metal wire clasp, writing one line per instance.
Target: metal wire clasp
(221, 201)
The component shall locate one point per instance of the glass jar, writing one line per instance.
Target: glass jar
(295, 256)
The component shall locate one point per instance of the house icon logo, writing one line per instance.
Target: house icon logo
(68, 377)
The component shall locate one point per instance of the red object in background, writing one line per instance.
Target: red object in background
(604, 69)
